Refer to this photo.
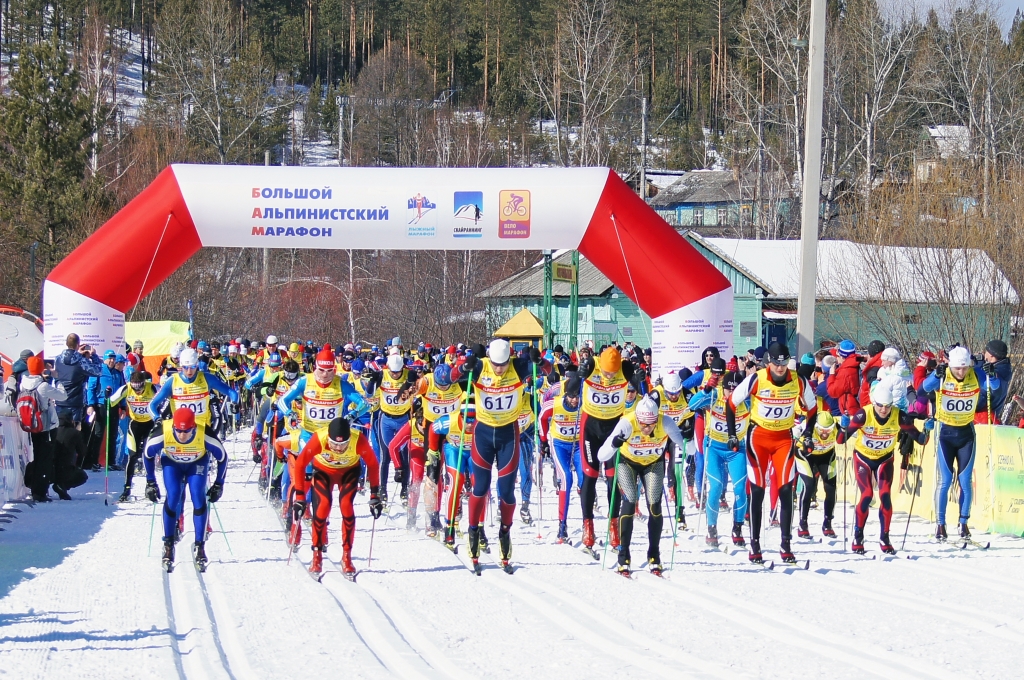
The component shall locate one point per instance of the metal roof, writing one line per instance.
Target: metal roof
(702, 187)
(530, 283)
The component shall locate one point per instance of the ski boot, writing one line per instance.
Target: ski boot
(886, 546)
(167, 561)
(940, 533)
(737, 535)
(485, 545)
(410, 520)
(622, 569)
(588, 539)
(802, 530)
(404, 497)
(449, 538)
(505, 547)
(712, 538)
(654, 566)
(774, 518)
(826, 528)
(433, 524)
(858, 541)
(613, 533)
(524, 513)
(690, 494)
(384, 496)
(199, 556)
(179, 528)
(474, 548)
(126, 495)
(563, 533)
(965, 533)
(786, 552)
(348, 570)
(723, 504)
(316, 566)
(681, 522)
(755, 555)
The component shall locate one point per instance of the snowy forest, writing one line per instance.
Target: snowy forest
(98, 97)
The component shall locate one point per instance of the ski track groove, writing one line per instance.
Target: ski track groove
(219, 610)
(197, 659)
(172, 628)
(590, 613)
(804, 636)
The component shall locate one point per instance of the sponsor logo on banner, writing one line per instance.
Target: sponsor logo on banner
(469, 211)
(514, 218)
(421, 217)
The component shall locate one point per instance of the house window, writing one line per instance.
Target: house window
(698, 217)
(723, 215)
(909, 319)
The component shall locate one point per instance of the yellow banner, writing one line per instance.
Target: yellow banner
(998, 482)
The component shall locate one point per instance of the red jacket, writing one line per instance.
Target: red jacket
(868, 376)
(844, 385)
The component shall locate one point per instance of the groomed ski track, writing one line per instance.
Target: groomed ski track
(95, 604)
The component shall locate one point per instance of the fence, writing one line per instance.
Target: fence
(15, 453)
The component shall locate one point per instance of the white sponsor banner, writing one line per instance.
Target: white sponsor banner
(66, 311)
(15, 454)
(679, 337)
(390, 208)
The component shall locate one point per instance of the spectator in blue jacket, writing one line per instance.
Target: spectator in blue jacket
(108, 381)
(996, 355)
(73, 368)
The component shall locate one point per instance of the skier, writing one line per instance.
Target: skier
(725, 428)
(560, 428)
(640, 440)
(411, 436)
(527, 443)
(498, 386)
(878, 427)
(958, 395)
(671, 397)
(820, 461)
(334, 452)
(451, 435)
(603, 393)
(137, 393)
(185, 449)
(774, 393)
(396, 386)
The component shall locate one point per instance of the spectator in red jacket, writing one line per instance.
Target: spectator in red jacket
(870, 371)
(844, 379)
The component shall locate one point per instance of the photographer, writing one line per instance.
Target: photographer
(39, 476)
(993, 359)
(73, 368)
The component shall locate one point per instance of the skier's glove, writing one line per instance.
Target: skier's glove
(844, 422)
(929, 425)
(806, 445)
(618, 441)
(545, 448)
(535, 355)
(376, 506)
(152, 491)
(990, 370)
(215, 492)
(298, 509)
(398, 474)
(734, 444)
(940, 372)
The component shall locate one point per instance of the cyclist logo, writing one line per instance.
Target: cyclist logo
(514, 220)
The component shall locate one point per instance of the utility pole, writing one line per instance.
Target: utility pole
(643, 148)
(548, 320)
(266, 251)
(812, 181)
(574, 301)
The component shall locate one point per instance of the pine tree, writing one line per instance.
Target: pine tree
(45, 138)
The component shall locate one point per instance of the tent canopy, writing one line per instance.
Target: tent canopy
(523, 325)
(157, 339)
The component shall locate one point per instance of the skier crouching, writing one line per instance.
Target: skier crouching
(335, 452)
(185, 449)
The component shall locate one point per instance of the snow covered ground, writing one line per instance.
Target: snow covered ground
(83, 596)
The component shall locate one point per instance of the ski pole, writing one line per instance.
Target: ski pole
(536, 443)
(674, 530)
(703, 489)
(611, 504)
(845, 482)
(373, 531)
(910, 513)
(152, 521)
(106, 451)
(462, 441)
(223, 533)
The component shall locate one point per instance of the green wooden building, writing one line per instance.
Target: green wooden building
(606, 314)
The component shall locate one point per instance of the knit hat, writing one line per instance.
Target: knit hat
(997, 348)
(26, 353)
(35, 365)
(325, 359)
(339, 430)
(610, 360)
(875, 347)
(846, 348)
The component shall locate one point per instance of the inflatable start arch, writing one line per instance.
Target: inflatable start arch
(191, 206)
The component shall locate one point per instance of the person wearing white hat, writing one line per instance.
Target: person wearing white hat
(874, 433)
(497, 383)
(959, 389)
(640, 439)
